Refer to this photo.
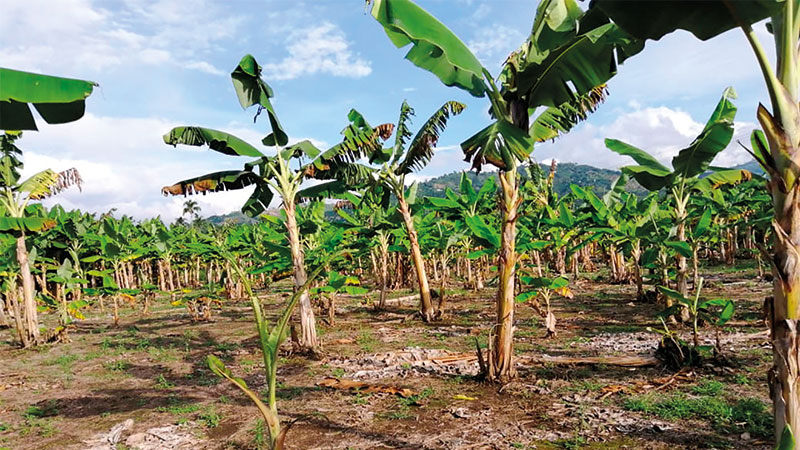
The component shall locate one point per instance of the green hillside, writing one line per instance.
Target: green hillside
(566, 174)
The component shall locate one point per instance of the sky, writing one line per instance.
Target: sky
(166, 63)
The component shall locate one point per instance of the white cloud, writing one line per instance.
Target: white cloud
(204, 66)
(660, 131)
(154, 56)
(493, 44)
(124, 164)
(78, 36)
(321, 49)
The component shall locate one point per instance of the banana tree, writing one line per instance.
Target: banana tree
(271, 336)
(772, 148)
(685, 177)
(558, 67)
(467, 203)
(368, 218)
(388, 170)
(277, 173)
(15, 197)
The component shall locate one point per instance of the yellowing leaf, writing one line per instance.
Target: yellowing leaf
(564, 292)
(463, 397)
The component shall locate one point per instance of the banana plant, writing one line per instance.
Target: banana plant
(387, 171)
(337, 284)
(467, 203)
(772, 148)
(369, 219)
(271, 336)
(557, 68)
(544, 288)
(715, 311)
(16, 196)
(685, 177)
(276, 173)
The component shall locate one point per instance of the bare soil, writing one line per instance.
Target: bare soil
(150, 371)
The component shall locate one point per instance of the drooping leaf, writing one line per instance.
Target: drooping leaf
(225, 180)
(56, 99)
(215, 140)
(714, 138)
(552, 71)
(253, 90)
(722, 178)
(704, 19)
(259, 200)
(420, 150)
(640, 156)
(434, 47)
(702, 225)
(497, 144)
(558, 120)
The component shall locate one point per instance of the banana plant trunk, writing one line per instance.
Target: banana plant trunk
(681, 270)
(501, 364)
(308, 330)
(784, 376)
(636, 253)
(31, 321)
(426, 306)
(384, 273)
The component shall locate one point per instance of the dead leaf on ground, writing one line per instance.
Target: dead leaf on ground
(345, 384)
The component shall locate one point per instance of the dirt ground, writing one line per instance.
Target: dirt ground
(145, 383)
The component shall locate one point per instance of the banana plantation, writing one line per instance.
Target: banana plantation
(352, 311)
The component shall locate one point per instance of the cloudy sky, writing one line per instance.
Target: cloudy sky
(163, 63)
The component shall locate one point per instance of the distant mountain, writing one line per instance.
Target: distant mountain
(753, 166)
(566, 174)
(237, 217)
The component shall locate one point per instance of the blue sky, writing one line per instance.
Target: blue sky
(163, 63)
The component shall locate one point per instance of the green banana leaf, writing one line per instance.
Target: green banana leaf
(253, 90)
(497, 144)
(226, 180)
(714, 138)
(704, 19)
(215, 140)
(434, 47)
(721, 178)
(552, 76)
(56, 99)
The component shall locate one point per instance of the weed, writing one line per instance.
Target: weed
(162, 354)
(366, 341)
(163, 383)
(261, 434)
(49, 409)
(708, 387)
(360, 399)
(573, 443)
(748, 414)
(225, 347)
(64, 361)
(117, 366)
(210, 418)
(179, 409)
(742, 379)
(337, 372)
